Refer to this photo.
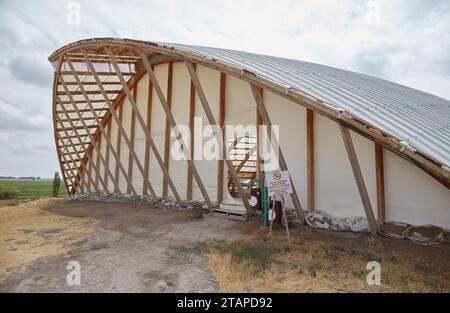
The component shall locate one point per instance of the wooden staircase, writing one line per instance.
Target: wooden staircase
(243, 154)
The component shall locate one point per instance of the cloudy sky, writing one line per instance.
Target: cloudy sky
(406, 41)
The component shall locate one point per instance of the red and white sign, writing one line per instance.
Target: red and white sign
(279, 183)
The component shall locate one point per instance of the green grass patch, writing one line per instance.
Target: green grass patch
(260, 253)
(29, 188)
(333, 250)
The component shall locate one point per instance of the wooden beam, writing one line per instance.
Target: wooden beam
(89, 92)
(144, 127)
(259, 173)
(379, 168)
(149, 122)
(192, 143)
(116, 118)
(132, 139)
(97, 166)
(283, 166)
(105, 174)
(89, 73)
(310, 159)
(167, 131)
(219, 136)
(119, 148)
(348, 142)
(220, 163)
(177, 133)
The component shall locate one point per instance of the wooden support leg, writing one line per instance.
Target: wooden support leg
(359, 178)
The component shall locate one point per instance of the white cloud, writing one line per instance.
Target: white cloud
(405, 41)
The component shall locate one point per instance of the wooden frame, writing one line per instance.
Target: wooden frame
(345, 119)
(432, 167)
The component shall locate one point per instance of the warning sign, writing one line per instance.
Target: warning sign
(279, 183)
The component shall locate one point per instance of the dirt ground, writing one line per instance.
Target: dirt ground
(138, 248)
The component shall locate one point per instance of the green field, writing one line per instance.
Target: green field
(29, 188)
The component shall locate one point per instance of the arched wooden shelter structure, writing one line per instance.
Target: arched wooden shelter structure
(353, 144)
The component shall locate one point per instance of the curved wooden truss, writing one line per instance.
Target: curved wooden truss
(93, 77)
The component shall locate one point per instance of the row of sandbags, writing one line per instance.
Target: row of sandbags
(426, 234)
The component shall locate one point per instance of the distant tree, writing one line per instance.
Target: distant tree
(56, 184)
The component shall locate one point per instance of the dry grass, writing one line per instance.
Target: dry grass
(28, 233)
(261, 265)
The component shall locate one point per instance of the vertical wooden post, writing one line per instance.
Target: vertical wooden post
(97, 163)
(379, 167)
(259, 174)
(132, 140)
(149, 121)
(310, 159)
(119, 148)
(167, 131)
(105, 174)
(192, 136)
(359, 178)
(220, 162)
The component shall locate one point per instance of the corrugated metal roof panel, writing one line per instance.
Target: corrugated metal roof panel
(420, 119)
